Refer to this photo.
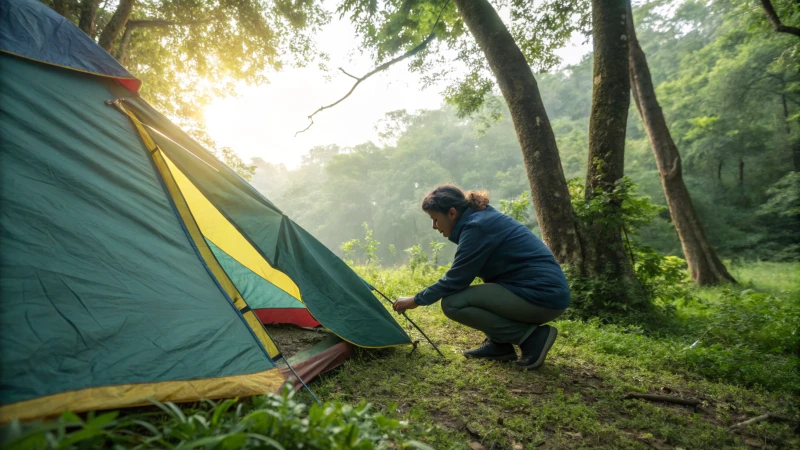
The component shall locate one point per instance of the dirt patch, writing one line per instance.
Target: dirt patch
(292, 339)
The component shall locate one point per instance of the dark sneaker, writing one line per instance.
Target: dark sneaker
(495, 351)
(535, 348)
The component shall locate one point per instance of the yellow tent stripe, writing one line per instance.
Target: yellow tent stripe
(224, 235)
(138, 394)
(194, 231)
(262, 335)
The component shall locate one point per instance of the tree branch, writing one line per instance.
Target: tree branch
(380, 68)
(116, 25)
(87, 17)
(122, 52)
(349, 75)
(776, 21)
(153, 23)
(662, 398)
(770, 417)
(61, 7)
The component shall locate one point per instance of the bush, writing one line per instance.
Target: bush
(271, 421)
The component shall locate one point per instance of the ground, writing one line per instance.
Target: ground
(292, 339)
(732, 348)
(576, 399)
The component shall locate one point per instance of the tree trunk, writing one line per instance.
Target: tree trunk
(741, 171)
(549, 192)
(122, 52)
(777, 25)
(115, 25)
(796, 155)
(61, 7)
(604, 251)
(88, 16)
(704, 264)
(786, 113)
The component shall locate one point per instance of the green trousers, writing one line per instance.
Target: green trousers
(493, 309)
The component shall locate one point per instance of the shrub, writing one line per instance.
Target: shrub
(271, 421)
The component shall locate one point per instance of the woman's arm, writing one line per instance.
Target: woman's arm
(474, 248)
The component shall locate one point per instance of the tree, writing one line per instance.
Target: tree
(188, 52)
(705, 266)
(559, 226)
(778, 25)
(604, 251)
(598, 252)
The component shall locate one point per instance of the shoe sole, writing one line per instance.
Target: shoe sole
(509, 357)
(551, 338)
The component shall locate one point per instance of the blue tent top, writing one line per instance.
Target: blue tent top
(30, 29)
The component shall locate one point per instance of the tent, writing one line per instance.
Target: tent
(134, 265)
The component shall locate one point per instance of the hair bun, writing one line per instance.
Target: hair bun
(477, 199)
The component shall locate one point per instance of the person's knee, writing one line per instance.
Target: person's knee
(448, 307)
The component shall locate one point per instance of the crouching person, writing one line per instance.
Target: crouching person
(524, 287)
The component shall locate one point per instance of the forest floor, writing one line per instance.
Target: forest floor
(733, 349)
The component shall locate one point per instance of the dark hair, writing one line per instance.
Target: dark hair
(449, 196)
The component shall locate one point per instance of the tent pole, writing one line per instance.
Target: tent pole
(410, 321)
(290, 366)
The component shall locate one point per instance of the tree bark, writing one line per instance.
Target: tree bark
(122, 52)
(604, 251)
(705, 266)
(88, 16)
(116, 25)
(551, 201)
(796, 155)
(786, 113)
(777, 25)
(61, 7)
(741, 171)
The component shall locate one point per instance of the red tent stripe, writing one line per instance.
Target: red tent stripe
(296, 316)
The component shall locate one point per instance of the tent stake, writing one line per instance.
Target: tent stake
(410, 321)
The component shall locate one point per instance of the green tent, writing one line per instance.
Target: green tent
(133, 263)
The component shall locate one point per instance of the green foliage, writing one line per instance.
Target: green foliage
(272, 421)
(740, 369)
(517, 208)
(367, 249)
(735, 350)
(436, 248)
(784, 197)
(720, 73)
(418, 259)
(392, 27)
(188, 52)
(661, 280)
(618, 207)
(232, 160)
(663, 277)
(783, 209)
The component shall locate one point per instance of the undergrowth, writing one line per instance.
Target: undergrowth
(733, 348)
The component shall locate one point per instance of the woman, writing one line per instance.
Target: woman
(524, 287)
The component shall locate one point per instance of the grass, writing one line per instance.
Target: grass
(733, 348)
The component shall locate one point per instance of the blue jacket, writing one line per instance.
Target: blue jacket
(498, 249)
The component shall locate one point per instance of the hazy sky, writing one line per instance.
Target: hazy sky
(262, 120)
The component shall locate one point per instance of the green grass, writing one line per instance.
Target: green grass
(744, 363)
(734, 348)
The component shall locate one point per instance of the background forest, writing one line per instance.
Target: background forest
(731, 96)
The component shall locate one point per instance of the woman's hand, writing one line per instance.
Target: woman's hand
(404, 303)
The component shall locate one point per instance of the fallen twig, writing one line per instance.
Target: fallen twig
(663, 398)
(769, 417)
